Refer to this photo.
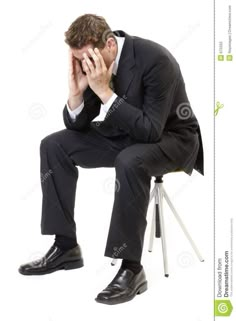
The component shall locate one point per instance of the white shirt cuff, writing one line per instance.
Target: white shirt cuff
(76, 111)
(109, 103)
(104, 108)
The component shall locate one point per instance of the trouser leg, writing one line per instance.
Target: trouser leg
(135, 166)
(60, 153)
(58, 181)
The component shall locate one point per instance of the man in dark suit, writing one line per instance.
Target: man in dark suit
(127, 109)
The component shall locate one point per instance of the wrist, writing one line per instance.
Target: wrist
(74, 101)
(106, 95)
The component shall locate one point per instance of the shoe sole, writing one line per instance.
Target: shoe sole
(64, 266)
(142, 288)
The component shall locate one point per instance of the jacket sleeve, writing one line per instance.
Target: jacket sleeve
(146, 125)
(92, 105)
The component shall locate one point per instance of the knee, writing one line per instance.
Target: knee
(49, 140)
(127, 161)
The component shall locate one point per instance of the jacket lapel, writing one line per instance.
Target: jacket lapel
(125, 71)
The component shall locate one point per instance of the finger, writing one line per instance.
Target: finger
(77, 64)
(74, 67)
(86, 67)
(102, 62)
(96, 59)
(73, 72)
(88, 62)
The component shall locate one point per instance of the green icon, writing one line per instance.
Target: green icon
(218, 107)
(229, 58)
(223, 308)
(221, 57)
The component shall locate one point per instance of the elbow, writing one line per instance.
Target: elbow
(149, 135)
(78, 124)
(153, 133)
(153, 136)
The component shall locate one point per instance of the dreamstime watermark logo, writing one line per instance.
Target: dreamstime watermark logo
(223, 308)
(185, 259)
(118, 250)
(101, 269)
(37, 111)
(184, 111)
(46, 175)
(184, 186)
(108, 185)
(187, 34)
(36, 257)
(115, 105)
(30, 191)
(41, 32)
(43, 178)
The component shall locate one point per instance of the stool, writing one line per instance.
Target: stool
(158, 225)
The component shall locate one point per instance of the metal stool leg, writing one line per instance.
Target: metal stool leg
(162, 228)
(152, 233)
(158, 225)
(182, 225)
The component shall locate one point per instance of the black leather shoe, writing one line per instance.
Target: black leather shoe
(55, 259)
(123, 287)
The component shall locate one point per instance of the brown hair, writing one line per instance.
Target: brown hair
(88, 29)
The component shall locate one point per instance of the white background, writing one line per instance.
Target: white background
(34, 89)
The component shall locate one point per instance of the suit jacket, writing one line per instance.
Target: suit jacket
(152, 104)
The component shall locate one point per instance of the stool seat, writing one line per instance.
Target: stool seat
(177, 170)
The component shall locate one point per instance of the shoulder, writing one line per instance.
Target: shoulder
(155, 59)
(151, 53)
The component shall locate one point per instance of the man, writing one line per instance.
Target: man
(127, 109)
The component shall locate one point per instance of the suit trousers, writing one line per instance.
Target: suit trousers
(135, 164)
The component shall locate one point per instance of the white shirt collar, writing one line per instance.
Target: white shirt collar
(120, 43)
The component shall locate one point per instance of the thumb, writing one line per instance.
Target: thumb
(111, 68)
